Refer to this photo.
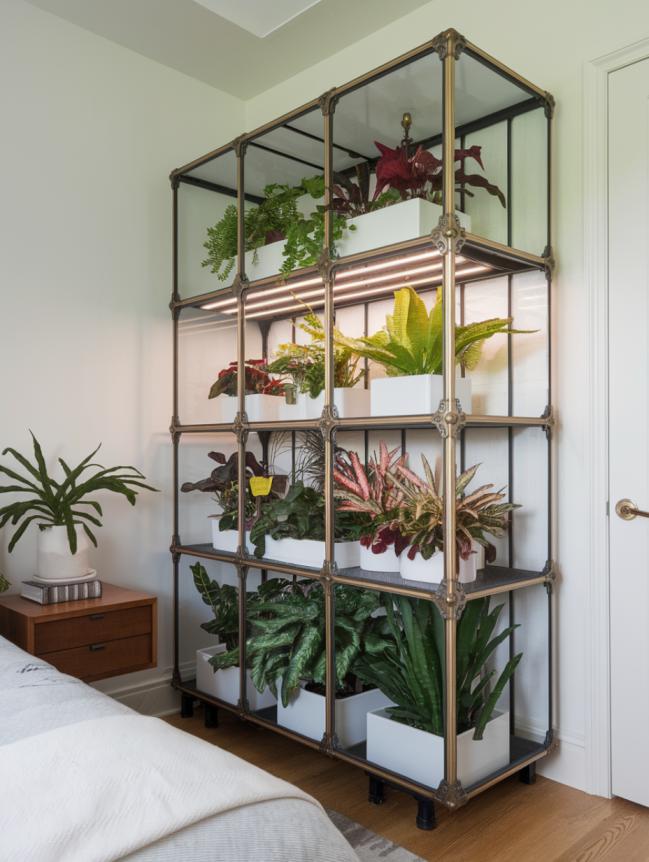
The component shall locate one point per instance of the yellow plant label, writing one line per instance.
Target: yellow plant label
(261, 485)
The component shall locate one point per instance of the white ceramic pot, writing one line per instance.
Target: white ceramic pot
(259, 408)
(351, 402)
(414, 394)
(396, 223)
(224, 684)
(385, 562)
(431, 571)
(55, 560)
(305, 714)
(308, 552)
(419, 755)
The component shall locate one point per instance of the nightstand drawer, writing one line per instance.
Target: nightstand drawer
(57, 635)
(99, 660)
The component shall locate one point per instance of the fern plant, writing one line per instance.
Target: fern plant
(411, 673)
(412, 341)
(53, 503)
(287, 639)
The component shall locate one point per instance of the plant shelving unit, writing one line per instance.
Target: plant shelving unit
(455, 92)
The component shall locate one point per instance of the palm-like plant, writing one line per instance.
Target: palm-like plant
(411, 673)
(421, 512)
(370, 494)
(55, 503)
(412, 341)
(287, 636)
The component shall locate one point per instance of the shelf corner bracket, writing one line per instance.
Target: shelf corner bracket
(450, 606)
(448, 234)
(452, 795)
(449, 42)
(448, 420)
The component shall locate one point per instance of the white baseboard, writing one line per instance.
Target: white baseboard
(151, 694)
(568, 764)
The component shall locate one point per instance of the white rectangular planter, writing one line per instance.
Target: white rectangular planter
(431, 571)
(410, 395)
(396, 223)
(385, 562)
(225, 540)
(419, 755)
(259, 408)
(224, 684)
(350, 402)
(308, 552)
(305, 714)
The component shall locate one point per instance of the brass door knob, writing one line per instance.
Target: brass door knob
(627, 510)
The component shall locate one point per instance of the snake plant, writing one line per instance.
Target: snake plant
(53, 503)
(411, 673)
(412, 340)
(287, 636)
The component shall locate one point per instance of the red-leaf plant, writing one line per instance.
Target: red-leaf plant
(420, 175)
(368, 492)
(257, 380)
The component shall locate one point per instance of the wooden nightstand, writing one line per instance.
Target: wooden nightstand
(91, 639)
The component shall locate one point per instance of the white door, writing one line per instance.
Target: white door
(629, 426)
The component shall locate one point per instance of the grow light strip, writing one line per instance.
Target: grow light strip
(349, 273)
(362, 294)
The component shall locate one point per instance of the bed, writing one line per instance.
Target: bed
(85, 779)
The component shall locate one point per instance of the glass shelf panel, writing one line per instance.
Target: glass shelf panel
(204, 197)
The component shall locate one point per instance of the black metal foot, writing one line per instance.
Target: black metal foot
(426, 814)
(210, 715)
(377, 791)
(186, 706)
(528, 773)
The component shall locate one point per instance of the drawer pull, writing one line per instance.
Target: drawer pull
(96, 647)
(96, 616)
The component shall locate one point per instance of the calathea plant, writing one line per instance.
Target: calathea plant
(420, 518)
(287, 640)
(223, 483)
(412, 341)
(411, 673)
(63, 502)
(370, 494)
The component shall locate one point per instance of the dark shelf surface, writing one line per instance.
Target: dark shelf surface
(491, 580)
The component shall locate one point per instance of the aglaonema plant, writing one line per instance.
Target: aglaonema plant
(411, 672)
(59, 503)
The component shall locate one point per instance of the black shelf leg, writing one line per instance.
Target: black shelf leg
(210, 715)
(377, 791)
(186, 706)
(528, 773)
(426, 814)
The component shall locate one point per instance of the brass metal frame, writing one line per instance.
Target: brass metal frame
(449, 421)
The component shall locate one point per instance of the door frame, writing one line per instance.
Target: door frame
(596, 277)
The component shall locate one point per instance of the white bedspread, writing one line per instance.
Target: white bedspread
(102, 788)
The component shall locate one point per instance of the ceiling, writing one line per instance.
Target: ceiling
(193, 39)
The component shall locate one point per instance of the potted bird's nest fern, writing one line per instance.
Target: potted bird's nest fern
(286, 653)
(410, 350)
(408, 737)
(479, 514)
(62, 508)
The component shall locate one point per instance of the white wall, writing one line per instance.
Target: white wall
(90, 132)
(550, 46)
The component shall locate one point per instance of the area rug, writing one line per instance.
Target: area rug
(369, 846)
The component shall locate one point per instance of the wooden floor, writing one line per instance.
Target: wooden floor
(512, 822)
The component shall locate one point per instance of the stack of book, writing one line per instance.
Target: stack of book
(52, 594)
